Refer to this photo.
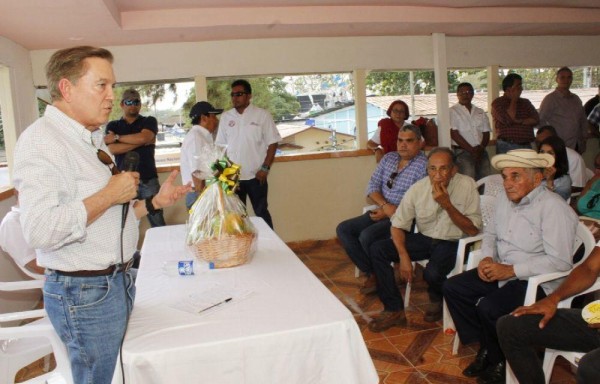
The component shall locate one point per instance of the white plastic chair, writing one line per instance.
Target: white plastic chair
(572, 357)
(492, 185)
(487, 207)
(22, 345)
(582, 236)
(585, 237)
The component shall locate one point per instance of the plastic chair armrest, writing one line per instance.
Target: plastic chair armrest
(535, 281)
(21, 285)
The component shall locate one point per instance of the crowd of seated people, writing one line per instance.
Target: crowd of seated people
(532, 233)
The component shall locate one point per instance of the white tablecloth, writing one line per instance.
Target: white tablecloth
(290, 329)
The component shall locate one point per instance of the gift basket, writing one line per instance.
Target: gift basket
(218, 228)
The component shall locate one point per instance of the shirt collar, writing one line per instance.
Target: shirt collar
(70, 126)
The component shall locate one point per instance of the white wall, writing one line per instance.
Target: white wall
(18, 101)
(305, 55)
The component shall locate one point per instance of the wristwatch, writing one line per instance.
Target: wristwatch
(117, 137)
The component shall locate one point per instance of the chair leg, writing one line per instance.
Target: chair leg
(455, 344)
(510, 376)
(407, 295)
(549, 358)
(448, 322)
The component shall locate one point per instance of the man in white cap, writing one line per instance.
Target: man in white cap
(198, 139)
(532, 233)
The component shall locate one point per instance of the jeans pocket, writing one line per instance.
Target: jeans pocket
(92, 294)
(57, 309)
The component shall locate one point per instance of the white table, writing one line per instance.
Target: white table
(291, 329)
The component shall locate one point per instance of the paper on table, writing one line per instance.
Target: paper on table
(211, 300)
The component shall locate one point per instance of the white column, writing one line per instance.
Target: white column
(440, 70)
(201, 88)
(493, 91)
(360, 107)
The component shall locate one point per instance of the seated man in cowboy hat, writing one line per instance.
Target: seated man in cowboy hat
(532, 233)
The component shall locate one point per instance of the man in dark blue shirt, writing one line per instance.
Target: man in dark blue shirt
(134, 132)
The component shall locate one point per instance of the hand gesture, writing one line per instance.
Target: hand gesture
(169, 193)
(545, 307)
(480, 269)
(440, 194)
(123, 187)
(492, 271)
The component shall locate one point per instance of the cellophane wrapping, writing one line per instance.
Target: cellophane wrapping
(219, 229)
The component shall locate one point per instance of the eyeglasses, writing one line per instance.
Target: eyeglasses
(238, 94)
(135, 102)
(107, 160)
(390, 182)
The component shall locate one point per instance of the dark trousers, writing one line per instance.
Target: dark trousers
(476, 305)
(441, 255)
(258, 197)
(357, 235)
(521, 336)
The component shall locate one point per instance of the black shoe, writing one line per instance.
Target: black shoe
(495, 374)
(434, 312)
(479, 365)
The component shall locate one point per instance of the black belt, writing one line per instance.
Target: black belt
(515, 142)
(102, 272)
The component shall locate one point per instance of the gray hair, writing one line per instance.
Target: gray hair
(414, 129)
(445, 150)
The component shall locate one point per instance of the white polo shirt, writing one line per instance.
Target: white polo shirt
(247, 137)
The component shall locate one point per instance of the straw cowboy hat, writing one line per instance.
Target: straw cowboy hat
(522, 158)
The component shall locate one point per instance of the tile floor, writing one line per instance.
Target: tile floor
(418, 353)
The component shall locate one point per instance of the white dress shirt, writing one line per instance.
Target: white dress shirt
(56, 168)
(471, 125)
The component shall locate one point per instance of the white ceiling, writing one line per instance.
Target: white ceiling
(51, 24)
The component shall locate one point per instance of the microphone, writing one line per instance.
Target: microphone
(130, 164)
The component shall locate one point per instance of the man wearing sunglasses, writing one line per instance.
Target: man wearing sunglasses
(71, 212)
(395, 174)
(134, 132)
(251, 138)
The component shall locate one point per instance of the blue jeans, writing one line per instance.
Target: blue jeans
(357, 235)
(90, 315)
(150, 188)
(467, 165)
(258, 197)
(504, 146)
(190, 199)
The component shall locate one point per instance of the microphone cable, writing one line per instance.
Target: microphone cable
(130, 164)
